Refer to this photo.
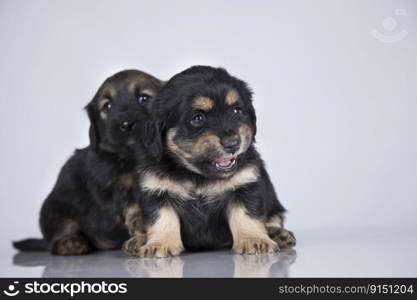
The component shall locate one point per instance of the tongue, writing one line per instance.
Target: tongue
(224, 162)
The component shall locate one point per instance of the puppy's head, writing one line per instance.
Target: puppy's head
(120, 106)
(207, 121)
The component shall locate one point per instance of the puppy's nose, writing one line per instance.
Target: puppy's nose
(231, 143)
(127, 126)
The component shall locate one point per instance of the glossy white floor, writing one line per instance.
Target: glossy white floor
(367, 252)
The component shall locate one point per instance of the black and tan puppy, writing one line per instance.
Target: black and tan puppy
(91, 206)
(209, 189)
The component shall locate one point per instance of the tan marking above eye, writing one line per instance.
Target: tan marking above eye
(133, 86)
(203, 103)
(103, 102)
(148, 92)
(108, 91)
(232, 97)
(139, 83)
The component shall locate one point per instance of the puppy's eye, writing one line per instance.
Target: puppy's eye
(197, 120)
(237, 110)
(144, 98)
(108, 106)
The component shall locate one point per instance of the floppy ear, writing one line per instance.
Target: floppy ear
(248, 95)
(252, 117)
(93, 131)
(152, 138)
(246, 92)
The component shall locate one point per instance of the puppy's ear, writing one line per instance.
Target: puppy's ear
(93, 131)
(152, 138)
(248, 95)
(252, 117)
(246, 92)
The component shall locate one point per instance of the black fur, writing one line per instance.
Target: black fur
(204, 224)
(86, 207)
(31, 245)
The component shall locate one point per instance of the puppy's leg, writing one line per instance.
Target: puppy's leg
(70, 241)
(134, 223)
(283, 237)
(249, 234)
(102, 230)
(71, 244)
(163, 236)
(61, 231)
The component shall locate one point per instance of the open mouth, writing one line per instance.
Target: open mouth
(225, 163)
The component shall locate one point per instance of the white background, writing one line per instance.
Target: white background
(336, 106)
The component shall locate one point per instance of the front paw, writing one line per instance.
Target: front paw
(255, 245)
(131, 246)
(283, 237)
(160, 249)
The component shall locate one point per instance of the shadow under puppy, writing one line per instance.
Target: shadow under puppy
(209, 188)
(91, 206)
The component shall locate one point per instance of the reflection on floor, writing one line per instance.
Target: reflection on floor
(331, 252)
(116, 264)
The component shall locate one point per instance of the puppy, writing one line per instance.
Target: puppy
(209, 188)
(91, 206)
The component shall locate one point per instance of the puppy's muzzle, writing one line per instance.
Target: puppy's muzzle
(231, 144)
